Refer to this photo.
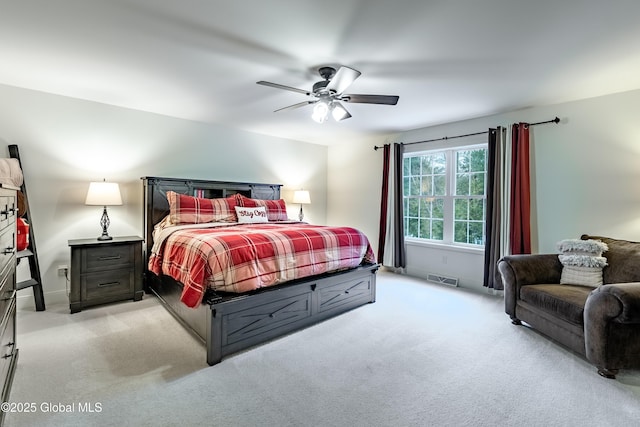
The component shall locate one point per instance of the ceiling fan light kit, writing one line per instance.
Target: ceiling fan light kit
(329, 92)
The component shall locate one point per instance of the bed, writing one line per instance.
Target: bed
(229, 322)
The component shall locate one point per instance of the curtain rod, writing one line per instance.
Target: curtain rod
(556, 121)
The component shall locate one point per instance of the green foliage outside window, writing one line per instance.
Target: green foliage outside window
(425, 195)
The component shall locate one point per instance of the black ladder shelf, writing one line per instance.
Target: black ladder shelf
(30, 253)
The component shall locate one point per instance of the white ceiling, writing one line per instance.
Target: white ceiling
(201, 59)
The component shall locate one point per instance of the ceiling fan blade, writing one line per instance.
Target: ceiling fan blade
(343, 78)
(371, 99)
(279, 86)
(294, 106)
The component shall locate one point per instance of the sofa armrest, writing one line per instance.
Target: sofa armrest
(520, 270)
(610, 313)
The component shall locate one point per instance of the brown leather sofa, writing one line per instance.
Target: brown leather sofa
(602, 324)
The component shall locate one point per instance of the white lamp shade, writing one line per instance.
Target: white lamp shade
(301, 197)
(103, 194)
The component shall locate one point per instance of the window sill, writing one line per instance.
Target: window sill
(443, 246)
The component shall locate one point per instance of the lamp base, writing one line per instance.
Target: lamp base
(104, 222)
(301, 214)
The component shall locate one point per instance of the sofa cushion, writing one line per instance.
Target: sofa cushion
(563, 301)
(623, 259)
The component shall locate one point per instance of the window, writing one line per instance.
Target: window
(444, 195)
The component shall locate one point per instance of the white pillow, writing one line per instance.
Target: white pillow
(585, 276)
(251, 215)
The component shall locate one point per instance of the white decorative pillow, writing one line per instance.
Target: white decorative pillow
(586, 276)
(582, 247)
(251, 215)
(582, 270)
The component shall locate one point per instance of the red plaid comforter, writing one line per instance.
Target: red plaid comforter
(244, 257)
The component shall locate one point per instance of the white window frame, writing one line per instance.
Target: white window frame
(449, 197)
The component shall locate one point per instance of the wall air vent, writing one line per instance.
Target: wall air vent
(436, 278)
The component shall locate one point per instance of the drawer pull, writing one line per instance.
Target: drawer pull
(108, 258)
(346, 292)
(11, 344)
(8, 211)
(8, 250)
(104, 285)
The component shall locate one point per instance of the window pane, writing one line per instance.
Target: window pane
(439, 163)
(427, 186)
(413, 208)
(462, 184)
(477, 184)
(412, 229)
(460, 232)
(425, 229)
(439, 185)
(406, 186)
(478, 160)
(425, 208)
(462, 161)
(415, 166)
(414, 186)
(426, 165)
(476, 209)
(438, 208)
(475, 233)
(461, 209)
(437, 230)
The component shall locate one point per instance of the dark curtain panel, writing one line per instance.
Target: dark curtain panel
(399, 253)
(391, 252)
(520, 232)
(493, 224)
(384, 202)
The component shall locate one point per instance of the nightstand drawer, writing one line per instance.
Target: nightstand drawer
(107, 284)
(107, 257)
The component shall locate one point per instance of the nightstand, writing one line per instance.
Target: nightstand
(104, 271)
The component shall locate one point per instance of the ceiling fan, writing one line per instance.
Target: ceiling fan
(328, 94)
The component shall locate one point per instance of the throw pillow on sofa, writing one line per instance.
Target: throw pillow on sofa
(582, 261)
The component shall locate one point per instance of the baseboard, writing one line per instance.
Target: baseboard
(25, 301)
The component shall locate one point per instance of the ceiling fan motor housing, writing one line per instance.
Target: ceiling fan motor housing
(320, 87)
(326, 73)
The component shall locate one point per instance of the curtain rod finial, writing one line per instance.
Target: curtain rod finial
(556, 120)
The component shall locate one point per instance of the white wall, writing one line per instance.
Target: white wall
(585, 178)
(65, 143)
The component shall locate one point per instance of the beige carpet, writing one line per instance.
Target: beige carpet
(422, 355)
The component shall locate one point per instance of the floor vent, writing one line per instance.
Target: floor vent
(435, 278)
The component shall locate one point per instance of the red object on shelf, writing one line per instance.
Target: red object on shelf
(22, 240)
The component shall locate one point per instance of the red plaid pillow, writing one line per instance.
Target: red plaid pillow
(185, 209)
(276, 209)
